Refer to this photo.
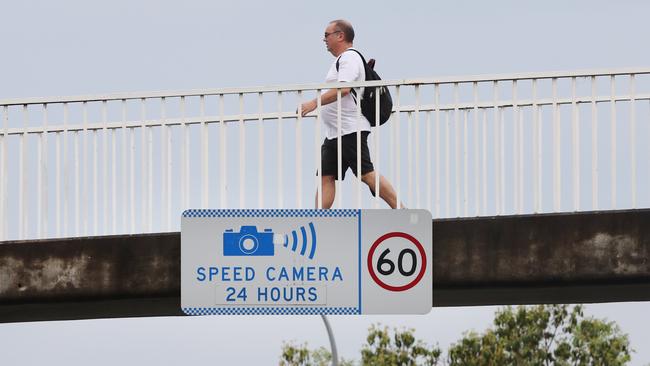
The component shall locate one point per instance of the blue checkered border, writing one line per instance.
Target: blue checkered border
(274, 311)
(270, 213)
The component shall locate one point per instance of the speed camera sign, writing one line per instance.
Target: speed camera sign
(306, 262)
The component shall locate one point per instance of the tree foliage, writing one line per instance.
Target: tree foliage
(383, 347)
(543, 335)
(398, 348)
(526, 335)
(300, 355)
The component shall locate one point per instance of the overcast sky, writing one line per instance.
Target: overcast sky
(81, 47)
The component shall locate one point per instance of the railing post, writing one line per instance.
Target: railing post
(280, 146)
(242, 154)
(84, 169)
(497, 149)
(633, 139)
(594, 146)
(457, 163)
(475, 126)
(576, 146)
(144, 168)
(43, 188)
(260, 153)
(613, 139)
(205, 156)
(3, 175)
(537, 151)
(396, 145)
(557, 152)
(298, 154)
(317, 144)
(22, 210)
(222, 155)
(436, 106)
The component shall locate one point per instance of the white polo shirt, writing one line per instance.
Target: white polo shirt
(350, 69)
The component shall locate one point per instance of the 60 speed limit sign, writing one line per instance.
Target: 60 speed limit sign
(252, 262)
(416, 262)
(397, 268)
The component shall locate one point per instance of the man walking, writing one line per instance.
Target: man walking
(347, 67)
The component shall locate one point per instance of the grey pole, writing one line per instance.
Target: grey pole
(330, 334)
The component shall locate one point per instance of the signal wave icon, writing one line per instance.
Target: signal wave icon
(295, 241)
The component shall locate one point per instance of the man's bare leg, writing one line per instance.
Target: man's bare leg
(329, 191)
(386, 191)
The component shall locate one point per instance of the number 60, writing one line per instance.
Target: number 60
(383, 261)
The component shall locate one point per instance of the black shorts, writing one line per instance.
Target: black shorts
(349, 154)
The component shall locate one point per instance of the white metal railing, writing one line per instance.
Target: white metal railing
(458, 146)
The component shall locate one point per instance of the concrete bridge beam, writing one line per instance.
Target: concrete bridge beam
(559, 258)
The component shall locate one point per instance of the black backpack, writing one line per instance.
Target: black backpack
(368, 106)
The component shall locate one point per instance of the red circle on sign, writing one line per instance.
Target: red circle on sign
(412, 240)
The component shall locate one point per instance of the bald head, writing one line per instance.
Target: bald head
(346, 28)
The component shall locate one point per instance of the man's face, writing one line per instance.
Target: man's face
(332, 37)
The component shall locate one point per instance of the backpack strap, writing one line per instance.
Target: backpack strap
(365, 69)
(360, 55)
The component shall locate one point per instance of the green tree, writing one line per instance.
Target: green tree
(399, 349)
(382, 348)
(301, 355)
(295, 355)
(543, 335)
(525, 335)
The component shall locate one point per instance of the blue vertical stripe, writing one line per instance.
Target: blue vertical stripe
(359, 216)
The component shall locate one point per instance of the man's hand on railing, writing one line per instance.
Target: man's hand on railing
(307, 107)
(328, 97)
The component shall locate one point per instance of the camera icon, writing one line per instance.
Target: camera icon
(248, 242)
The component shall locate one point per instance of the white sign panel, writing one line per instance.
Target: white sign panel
(306, 262)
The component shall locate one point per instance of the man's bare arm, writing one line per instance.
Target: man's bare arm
(326, 98)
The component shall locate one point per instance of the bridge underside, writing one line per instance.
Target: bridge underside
(560, 258)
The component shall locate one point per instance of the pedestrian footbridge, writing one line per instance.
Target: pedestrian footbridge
(537, 182)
